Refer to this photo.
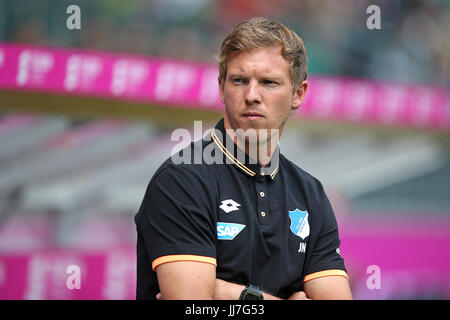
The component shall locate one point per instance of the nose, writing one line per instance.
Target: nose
(252, 94)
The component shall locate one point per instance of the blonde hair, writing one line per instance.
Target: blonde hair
(261, 32)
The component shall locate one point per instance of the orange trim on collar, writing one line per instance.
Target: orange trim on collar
(230, 155)
(236, 161)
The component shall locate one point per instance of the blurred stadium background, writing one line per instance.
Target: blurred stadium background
(86, 117)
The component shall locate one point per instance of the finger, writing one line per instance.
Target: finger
(300, 295)
(158, 296)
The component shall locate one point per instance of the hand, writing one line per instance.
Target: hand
(227, 290)
(299, 295)
(230, 291)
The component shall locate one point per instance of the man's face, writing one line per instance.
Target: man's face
(257, 91)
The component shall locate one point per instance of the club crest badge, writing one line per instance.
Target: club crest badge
(299, 223)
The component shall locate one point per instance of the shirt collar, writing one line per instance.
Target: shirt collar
(239, 158)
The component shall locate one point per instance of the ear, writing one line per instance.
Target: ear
(299, 95)
(221, 87)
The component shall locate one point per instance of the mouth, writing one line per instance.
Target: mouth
(252, 116)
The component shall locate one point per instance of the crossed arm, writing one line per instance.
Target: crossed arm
(190, 280)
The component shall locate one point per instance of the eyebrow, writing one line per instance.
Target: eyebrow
(264, 75)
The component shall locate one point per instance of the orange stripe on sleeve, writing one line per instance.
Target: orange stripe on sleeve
(182, 257)
(326, 273)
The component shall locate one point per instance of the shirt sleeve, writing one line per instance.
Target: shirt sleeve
(325, 259)
(176, 220)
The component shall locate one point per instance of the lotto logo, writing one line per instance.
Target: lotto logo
(228, 231)
(229, 205)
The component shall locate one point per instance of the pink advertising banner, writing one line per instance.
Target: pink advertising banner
(406, 258)
(61, 274)
(194, 85)
(385, 259)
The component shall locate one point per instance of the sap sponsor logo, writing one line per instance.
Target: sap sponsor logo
(228, 231)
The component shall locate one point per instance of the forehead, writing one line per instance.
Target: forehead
(266, 60)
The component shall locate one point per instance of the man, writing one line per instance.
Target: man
(250, 225)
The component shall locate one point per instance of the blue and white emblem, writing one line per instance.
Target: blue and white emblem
(299, 223)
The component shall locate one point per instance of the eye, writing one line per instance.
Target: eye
(238, 80)
(270, 83)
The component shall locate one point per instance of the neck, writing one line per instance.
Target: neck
(260, 146)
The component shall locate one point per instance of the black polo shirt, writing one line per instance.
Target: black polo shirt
(273, 227)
